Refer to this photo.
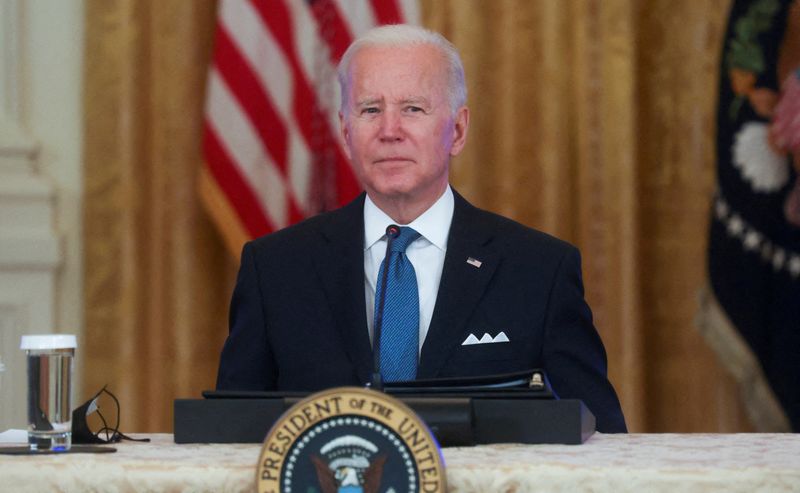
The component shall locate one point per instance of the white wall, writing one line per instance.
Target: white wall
(41, 289)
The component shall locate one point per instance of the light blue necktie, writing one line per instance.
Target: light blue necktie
(399, 338)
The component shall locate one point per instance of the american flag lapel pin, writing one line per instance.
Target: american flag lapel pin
(474, 262)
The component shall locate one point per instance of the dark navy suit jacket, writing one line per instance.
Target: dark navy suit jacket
(298, 314)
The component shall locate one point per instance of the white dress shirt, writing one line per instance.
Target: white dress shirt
(426, 254)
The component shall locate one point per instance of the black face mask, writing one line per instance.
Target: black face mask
(106, 432)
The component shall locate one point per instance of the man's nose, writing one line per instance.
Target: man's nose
(391, 126)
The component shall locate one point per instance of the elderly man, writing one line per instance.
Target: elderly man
(467, 292)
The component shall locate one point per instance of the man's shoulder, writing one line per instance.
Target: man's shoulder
(313, 231)
(512, 235)
(295, 234)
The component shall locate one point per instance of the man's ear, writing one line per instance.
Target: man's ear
(345, 134)
(461, 125)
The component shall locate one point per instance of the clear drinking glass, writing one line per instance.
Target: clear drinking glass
(50, 364)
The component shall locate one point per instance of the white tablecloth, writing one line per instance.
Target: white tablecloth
(613, 463)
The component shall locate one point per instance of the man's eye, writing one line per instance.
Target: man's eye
(369, 110)
(414, 109)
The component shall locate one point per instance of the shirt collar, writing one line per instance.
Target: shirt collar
(433, 224)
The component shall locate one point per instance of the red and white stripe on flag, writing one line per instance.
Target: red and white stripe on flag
(271, 142)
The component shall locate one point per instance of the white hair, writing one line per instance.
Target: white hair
(399, 35)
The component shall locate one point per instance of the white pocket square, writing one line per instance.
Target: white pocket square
(486, 339)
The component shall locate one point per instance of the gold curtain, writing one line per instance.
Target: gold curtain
(156, 273)
(591, 119)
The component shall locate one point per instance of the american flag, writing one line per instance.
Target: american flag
(271, 143)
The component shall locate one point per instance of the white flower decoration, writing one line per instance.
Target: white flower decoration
(765, 170)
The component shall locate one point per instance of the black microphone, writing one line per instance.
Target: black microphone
(392, 232)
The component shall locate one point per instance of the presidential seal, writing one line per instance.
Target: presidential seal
(350, 440)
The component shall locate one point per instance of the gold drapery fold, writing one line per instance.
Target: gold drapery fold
(590, 119)
(156, 273)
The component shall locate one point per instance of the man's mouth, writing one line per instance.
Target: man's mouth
(392, 159)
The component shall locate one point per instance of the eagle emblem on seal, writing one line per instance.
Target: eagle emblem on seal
(349, 464)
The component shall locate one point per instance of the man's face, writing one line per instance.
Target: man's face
(398, 127)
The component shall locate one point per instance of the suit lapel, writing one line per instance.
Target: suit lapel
(340, 265)
(462, 285)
